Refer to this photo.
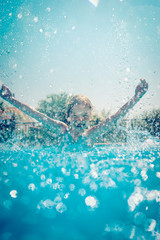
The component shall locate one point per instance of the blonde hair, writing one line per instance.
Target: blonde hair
(78, 99)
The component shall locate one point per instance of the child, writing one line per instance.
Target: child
(78, 115)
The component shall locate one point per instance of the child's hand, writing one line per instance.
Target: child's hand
(5, 92)
(141, 88)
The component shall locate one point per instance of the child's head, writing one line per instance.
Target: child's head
(79, 112)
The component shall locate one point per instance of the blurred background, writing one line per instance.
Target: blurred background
(97, 48)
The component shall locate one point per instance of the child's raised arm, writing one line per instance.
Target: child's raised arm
(100, 129)
(48, 122)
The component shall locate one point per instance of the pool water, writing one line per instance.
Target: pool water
(107, 192)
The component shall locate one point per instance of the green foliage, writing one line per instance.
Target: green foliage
(55, 106)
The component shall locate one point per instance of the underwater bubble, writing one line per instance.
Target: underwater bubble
(86, 180)
(137, 182)
(139, 218)
(93, 186)
(33, 164)
(158, 196)
(31, 186)
(48, 203)
(82, 191)
(72, 187)
(55, 186)
(134, 170)
(150, 225)
(7, 182)
(144, 175)
(107, 228)
(59, 179)
(63, 170)
(61, 207)
(43, 177)
(66, 195)
(57, 200)
(14, 164)
(76, 176)
(132, 232)
(61, 187)
(117, 227)
(13, 193)
(43, 184)
(134, 200)
(49, 181)
(158, 174)
(94, 174)
(151, 195)
(19, 15)
(35, 19)
(91, 202)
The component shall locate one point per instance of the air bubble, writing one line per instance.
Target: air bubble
(91, 202)
(43, 177)
(72, 187)
(31, 187)
(19, 15)
(82, 191)
(13, 193)
(61, 207)
(49, 181)
(35, 19)
(48, 203)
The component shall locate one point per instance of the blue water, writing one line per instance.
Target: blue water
(107, 192)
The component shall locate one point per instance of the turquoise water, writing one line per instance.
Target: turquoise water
(107, 192)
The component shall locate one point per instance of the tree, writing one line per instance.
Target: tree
(55, 106)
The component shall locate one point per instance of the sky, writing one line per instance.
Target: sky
(97, 48)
